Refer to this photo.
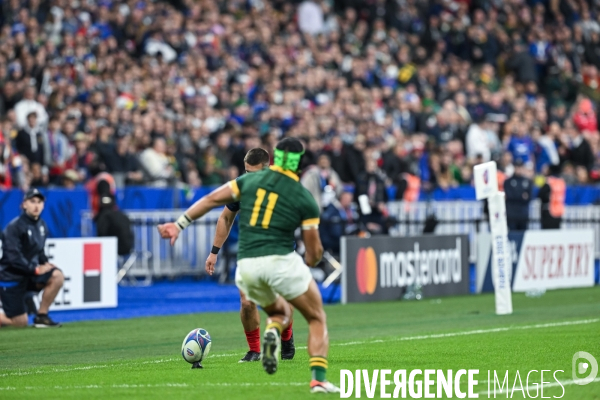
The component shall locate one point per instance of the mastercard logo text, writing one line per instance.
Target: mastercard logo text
(366, 270)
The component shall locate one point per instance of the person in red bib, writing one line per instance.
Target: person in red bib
(552, 195)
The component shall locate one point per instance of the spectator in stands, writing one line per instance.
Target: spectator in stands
(208, 167)
(223, 152)
(580, 151)
(355, 160)
(582, 174)
(37, 177)
(339, 218)
(28, 105)
(545, 152)
(522, 64)
(364, 80)
(155, 163)
(194, 180)
(313, 149)
(5, 167)
(479, 140)
(441, 169)
(60, 150)
(506, 166)
(520, 143)
(250, 141)
(568, 174)
(337, 157)
(69, 180)
(10, 93)
(82, 158)
(371, 184)
(317, 177)
(395, 165)
(32, 142)
(496, 110)
(405, 118)
(120, 162)
(585, 118)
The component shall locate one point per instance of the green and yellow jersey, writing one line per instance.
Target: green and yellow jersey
(273, 205)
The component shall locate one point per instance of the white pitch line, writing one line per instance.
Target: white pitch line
(494, 330)
(224, 384)
(160, 361)
(36, 372)
(467, 333)
(400, 339)
(223, 355)
(526, 388)
(158, 385)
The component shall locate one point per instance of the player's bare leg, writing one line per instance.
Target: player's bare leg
(279, 318)
(51, 290)
(251, 323)
(42, 320)
(249, 314)
(18, 321)
(310, 305)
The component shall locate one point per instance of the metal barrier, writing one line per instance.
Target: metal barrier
(156, 258)
(453, 217)
(467, 217)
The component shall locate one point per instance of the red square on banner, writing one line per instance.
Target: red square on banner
(92, 257)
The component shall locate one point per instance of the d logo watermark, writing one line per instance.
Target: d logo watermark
(581, 367)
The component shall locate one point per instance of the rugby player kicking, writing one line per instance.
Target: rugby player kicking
(255, 160)
(269, 271)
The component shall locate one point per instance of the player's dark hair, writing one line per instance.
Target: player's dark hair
(290, 144)
(257, 156)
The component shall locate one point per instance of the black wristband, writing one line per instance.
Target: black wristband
(215, 250)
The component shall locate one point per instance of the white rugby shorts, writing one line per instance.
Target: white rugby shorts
(262, 279)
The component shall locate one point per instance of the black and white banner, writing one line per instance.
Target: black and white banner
(90, 269)
(381, 268)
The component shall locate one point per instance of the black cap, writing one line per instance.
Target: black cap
(34, 192)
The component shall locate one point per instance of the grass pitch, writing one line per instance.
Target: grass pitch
(140, 358)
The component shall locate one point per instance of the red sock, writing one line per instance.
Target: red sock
(253, 339)
(287, 333)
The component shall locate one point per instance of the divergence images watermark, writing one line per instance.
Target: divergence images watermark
(435, 384)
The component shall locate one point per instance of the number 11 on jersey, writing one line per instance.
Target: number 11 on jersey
(271, 200)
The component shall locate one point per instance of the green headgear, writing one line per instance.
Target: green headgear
(287, 159)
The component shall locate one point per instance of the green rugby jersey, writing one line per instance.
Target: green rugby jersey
(273, 205)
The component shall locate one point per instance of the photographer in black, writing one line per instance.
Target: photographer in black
(112, 222)
(24, 267)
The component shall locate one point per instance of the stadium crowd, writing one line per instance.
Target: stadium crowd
(383, 92)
